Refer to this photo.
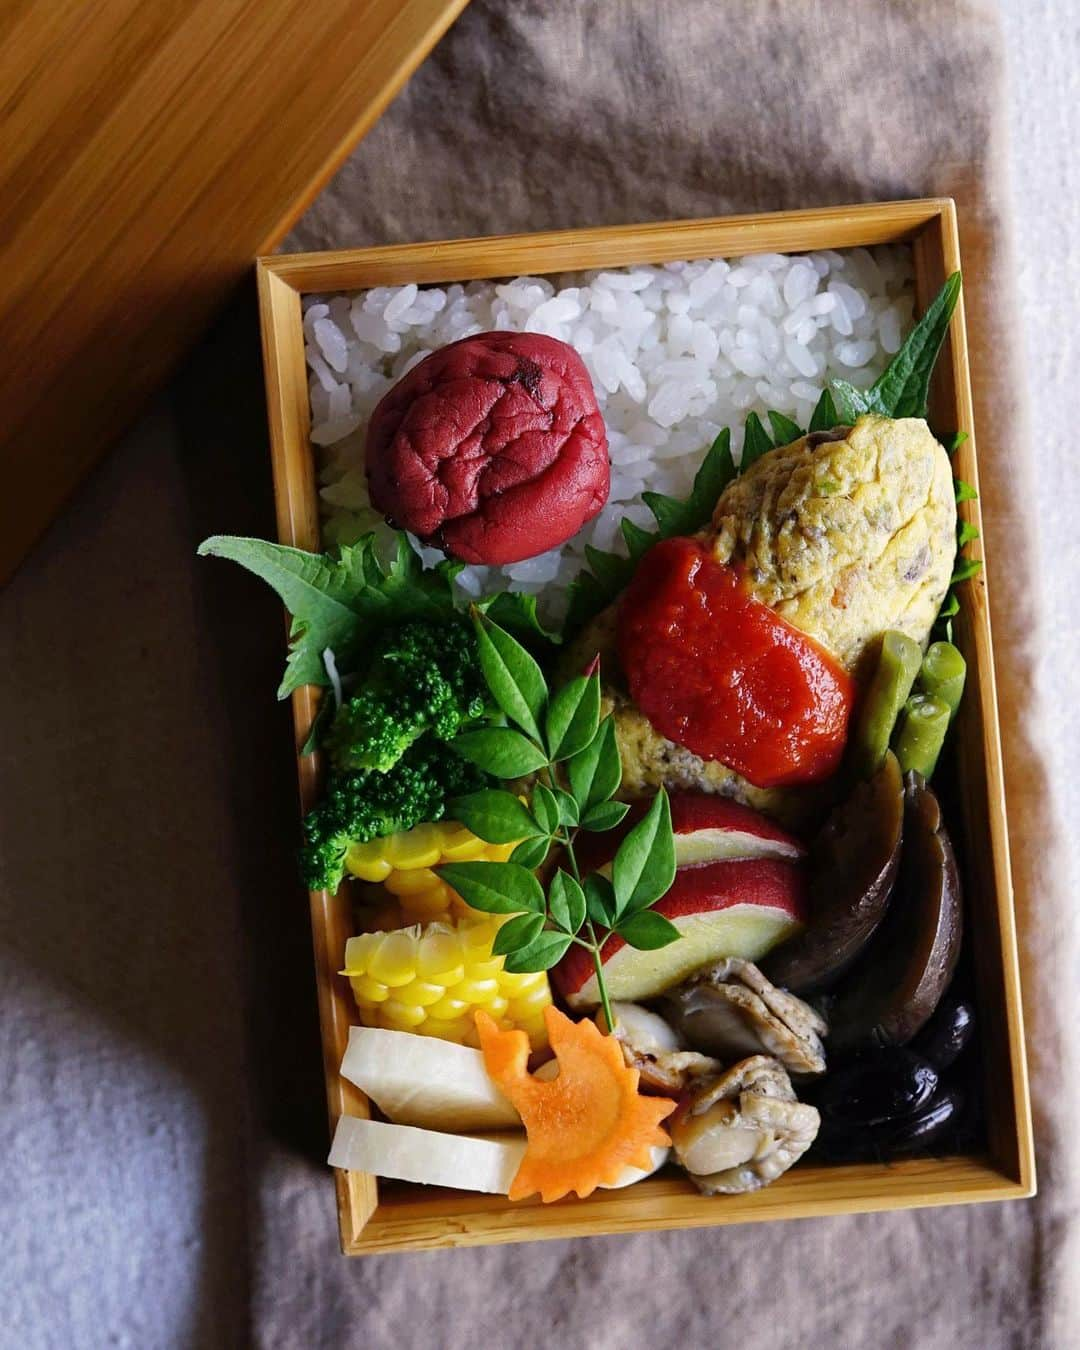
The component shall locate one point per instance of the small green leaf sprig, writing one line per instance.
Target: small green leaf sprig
(558, 741)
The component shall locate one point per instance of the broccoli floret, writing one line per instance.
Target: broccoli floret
(365, 804)
(424, 677)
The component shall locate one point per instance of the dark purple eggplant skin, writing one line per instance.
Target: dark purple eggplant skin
(853, 868)
(896, 986)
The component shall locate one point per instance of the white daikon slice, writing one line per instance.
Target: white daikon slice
(419, 1080)
(427, 1156)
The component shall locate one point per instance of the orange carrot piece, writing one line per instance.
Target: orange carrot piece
(585, 1126)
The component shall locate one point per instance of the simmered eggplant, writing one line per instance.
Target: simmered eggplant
(895, 988)
(853, 869)
(947, 1034)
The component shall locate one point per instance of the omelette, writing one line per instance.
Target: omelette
(844, 534)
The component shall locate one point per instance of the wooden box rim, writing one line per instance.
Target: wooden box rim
(411, 1218)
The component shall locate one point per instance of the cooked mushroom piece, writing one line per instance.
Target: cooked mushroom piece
(650, 1046)
(853, 868)
(743, 1129)
(899, 982)
(730, 1010)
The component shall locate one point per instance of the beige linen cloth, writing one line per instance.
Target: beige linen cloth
(161, 1111)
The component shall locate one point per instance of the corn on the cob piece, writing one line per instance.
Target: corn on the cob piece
(431, 979)
(403, 863)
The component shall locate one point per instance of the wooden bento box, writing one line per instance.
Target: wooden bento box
(393, 1216)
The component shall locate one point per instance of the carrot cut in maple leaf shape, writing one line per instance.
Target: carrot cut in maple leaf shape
(586, 1125)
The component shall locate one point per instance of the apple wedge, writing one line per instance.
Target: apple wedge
(738, 908)
(707, 829)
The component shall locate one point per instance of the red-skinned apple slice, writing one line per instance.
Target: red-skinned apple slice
(731, 908)
(707, 829)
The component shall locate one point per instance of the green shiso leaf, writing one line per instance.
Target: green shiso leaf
(609, 573)
(903, 388)
(338, 602)
(784, 430)
(824, 416)
(517, 614)
(756, 442)
(965, 533)
(955, 441)
(966, 568)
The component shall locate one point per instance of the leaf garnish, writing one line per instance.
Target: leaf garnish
(644, 865)
(756, 442)
(576, 759)
(903, 388)
(591, 591)
(824, 416)
(337, 602)
(784, 430)
(515, 679)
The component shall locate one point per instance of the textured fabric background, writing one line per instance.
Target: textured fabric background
(162, 1126)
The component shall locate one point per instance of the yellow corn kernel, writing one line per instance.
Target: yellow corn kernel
(413, 881)
(513, 986)
(479, 993)
(393, 961)
(448, 1009)
(463, 846)
(484, 967)
(426, 907)
(441, 958)
(398, 1016)
(368, 861)
(420, 994)
(367, 990)
(463, 1031)
(358, 952)
(418, 847)
(432, 979)
(532, 1001)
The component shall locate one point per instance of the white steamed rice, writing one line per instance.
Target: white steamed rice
(676, 352)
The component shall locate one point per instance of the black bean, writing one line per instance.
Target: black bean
(948, 1032)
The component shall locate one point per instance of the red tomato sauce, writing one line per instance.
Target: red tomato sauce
(720, 673)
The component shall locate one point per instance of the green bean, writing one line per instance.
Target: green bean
(897, 665)
(943, 673)
(922, 733)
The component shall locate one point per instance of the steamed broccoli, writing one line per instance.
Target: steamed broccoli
(424, 677)
(364, 804)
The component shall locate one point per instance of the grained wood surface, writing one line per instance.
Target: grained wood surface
(148, 152)
(392, 1217)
